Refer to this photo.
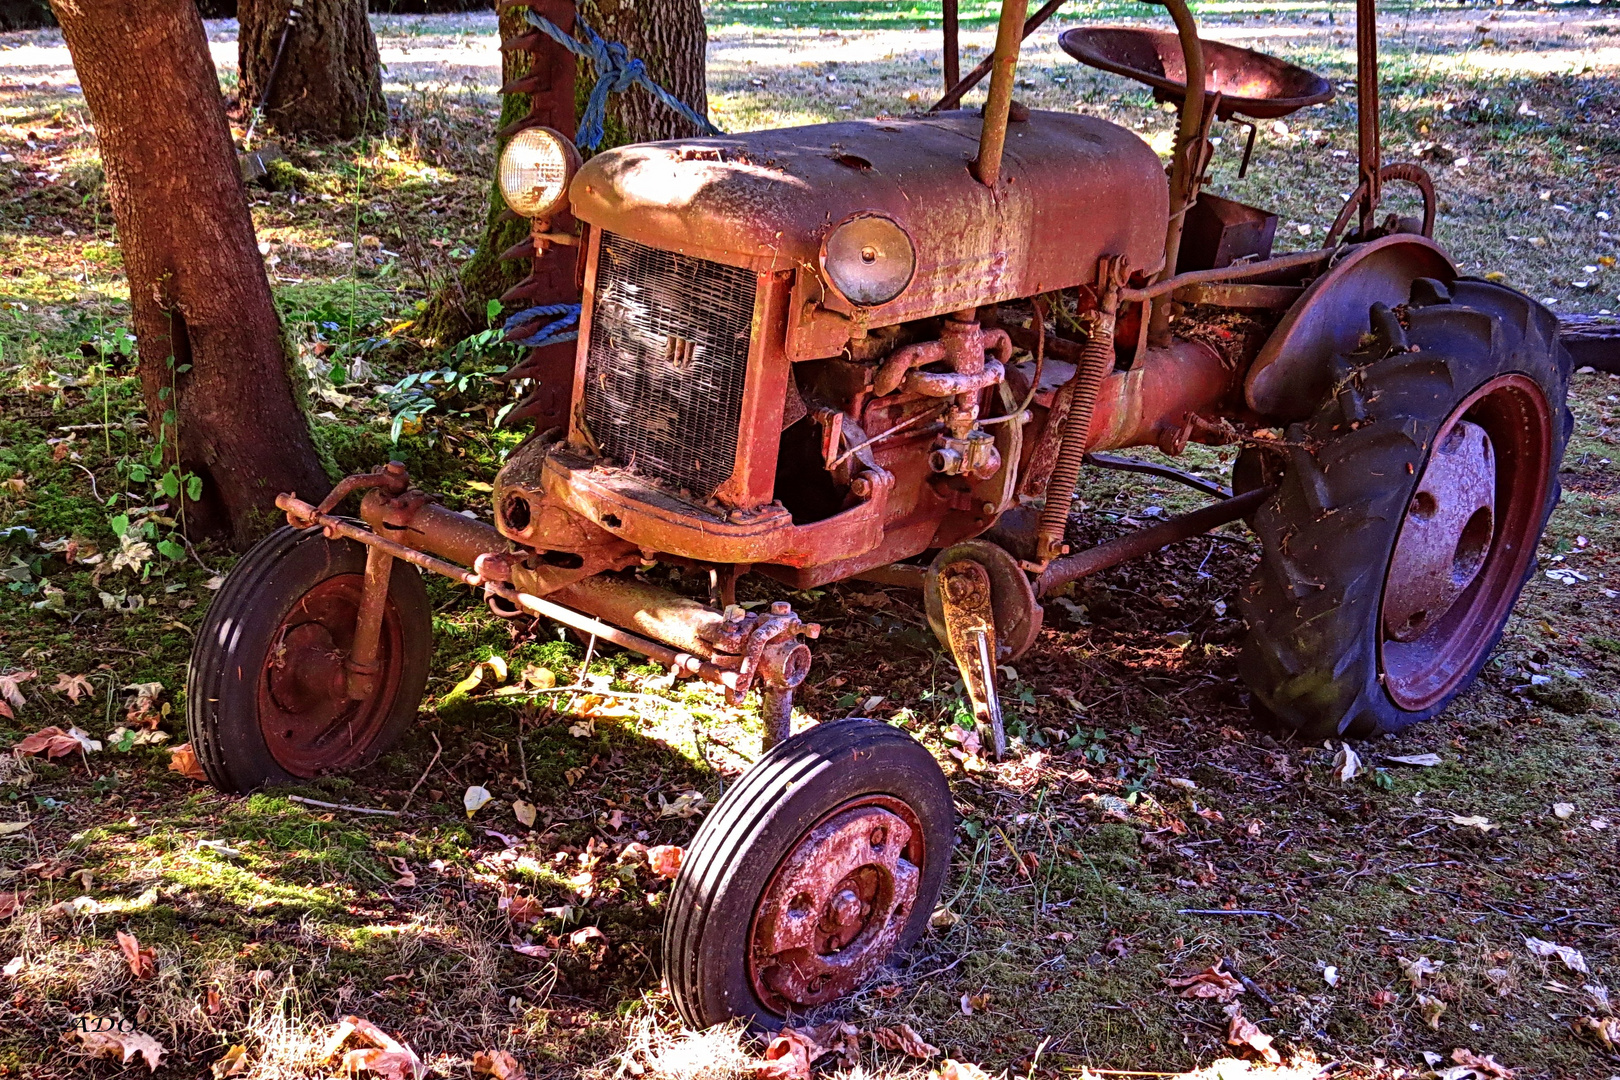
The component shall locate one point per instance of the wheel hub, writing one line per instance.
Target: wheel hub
(1446, 534)
(836, 907)
(309, 721)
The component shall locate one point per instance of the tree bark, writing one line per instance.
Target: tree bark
(669, 36)
(214, 374)
(329, 84)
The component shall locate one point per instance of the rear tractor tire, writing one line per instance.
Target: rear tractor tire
(823, 861)
(1407, 513)
(267, 699)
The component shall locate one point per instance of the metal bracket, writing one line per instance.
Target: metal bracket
(971, 626)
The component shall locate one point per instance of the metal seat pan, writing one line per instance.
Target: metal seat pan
(1250, 83)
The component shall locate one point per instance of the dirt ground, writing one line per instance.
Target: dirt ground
(1144, 807)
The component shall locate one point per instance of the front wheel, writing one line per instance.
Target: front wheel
(821, 862)
(267, 698)
(1406, 519)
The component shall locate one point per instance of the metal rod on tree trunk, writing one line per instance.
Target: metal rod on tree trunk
(294, 13)
(953, 51)
(1367, 137)
(998, 105)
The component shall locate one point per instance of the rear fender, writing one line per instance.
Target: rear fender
(1294, 369)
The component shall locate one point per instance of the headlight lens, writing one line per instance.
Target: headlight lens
(869, 259)
(536, 167)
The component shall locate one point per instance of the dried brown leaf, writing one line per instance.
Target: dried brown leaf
(961, 1070)
(120, 1046)
(1212, 982)
(665, 859)
(74, 686)
(142, 961)
(1243, 1032)
(1486, 1067)
(183, 760)
(788, 1057)
(499, 1064)
(905, 1040)
(51, 741)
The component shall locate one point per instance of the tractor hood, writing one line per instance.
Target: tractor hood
(1073, 189)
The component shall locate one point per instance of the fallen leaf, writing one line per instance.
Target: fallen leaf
(1346, 764)
(183, 760)
(1243, 1032)
(10, 696)
(584, 729)
(118, 1045)
(212, 1002)
(13, 966)
(1212, 982)
(788, 1057)
(51, 741)
(688, 804)
(524, 812)
(1474, 821)
(141, 711)
(586, 934)
(1425, 760)
(407, 876)
(388, 1056)
(943, 918)
(142, 962)
(961, 1070)
(473, 798)
(234, 1063)
(535, 952)
(1431, 1008)
(1485, 1068)
(11, 828)
(972, 1003)
(1571, 957)
(905, 1040)
(1421, 968)
(74, 686)
(665, 860)
(538, 677)
(1563, 810)
(499, 1064)
(1605, 1031)
(1330, 975)
(522, 909)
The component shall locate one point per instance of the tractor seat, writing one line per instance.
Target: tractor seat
(1250, 83)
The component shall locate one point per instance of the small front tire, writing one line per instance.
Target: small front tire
(822, 861)
(266, 691)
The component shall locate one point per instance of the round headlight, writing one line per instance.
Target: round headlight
(535, 169)
(869, 259)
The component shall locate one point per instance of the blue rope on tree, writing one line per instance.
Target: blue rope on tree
(616, 71)
(553, 332)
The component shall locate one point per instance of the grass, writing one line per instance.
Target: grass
(1141, 789)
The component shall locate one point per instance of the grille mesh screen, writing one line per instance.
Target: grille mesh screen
(668, 353)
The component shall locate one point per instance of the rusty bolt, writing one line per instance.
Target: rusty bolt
(738, 516)
(846, 908)
(781, 607)
(989, 508)
(395, 468)
(959, 588)
(860, 487)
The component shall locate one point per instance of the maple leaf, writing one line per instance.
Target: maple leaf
(1245, 1033)
(118, 1045)
(1212, 982)
(665, 859)
(74, 686)
(10, 696)
(53, 742)
(499, 1064)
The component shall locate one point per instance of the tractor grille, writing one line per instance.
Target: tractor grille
(668, 353)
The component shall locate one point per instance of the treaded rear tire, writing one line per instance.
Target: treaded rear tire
(709, 924)
(234, 641)
(1312, 659)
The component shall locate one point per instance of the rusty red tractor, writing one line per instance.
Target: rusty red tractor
(827, 352)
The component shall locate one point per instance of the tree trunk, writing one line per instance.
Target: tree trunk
(213, 371)
(670, 38)
(329, 84)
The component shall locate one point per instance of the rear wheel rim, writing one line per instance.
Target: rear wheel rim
(1513, 414)
(837, 904)
(309, 723)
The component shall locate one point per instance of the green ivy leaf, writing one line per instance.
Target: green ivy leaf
(193, 487)
(120, 524)
(169, 484)
(173, 550)
(138, 473)
(492, 310)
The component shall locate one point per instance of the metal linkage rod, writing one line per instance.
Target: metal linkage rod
(953, 97)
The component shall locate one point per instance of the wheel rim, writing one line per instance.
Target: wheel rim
(1466, 540)
(306, 716)
(837, 904)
